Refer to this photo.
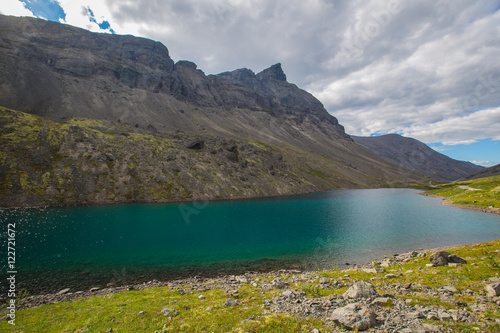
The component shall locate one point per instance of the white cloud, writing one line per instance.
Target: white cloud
(466, 129)
(15, 8)
(483, 163)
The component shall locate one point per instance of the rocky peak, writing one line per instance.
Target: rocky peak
(275, 72)
(184, 64)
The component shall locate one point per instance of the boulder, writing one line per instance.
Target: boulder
(354, 316)
(196, 144)
(442, 258)
(492, 290)
(360, 289)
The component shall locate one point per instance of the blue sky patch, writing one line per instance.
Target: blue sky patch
(104, 25)
(48, 9)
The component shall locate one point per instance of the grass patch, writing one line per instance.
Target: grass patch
(483, 192)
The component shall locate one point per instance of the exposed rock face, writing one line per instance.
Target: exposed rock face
(414, 155)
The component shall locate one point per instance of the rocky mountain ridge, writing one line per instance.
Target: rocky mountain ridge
(414, 155)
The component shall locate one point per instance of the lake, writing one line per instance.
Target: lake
(82, 247)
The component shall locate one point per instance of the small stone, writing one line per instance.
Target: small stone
(230, 302)
(432, 316)
(288, 293)
(64, 291)
(168, 312)
(390, 276)
(493, 289)
(315, 331)
(201, 297)
(109, 330)
(94, 289)
(450, 289)
(429, 265)
(444, 315)
(123, 304)
(324, 280)
(381, 301)
(431, 328)
(141, 313)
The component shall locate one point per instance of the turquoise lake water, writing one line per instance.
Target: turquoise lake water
(86, 246)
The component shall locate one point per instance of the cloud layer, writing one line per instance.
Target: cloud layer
(427, 69)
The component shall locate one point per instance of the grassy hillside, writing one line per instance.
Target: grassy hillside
(412, 284)
(79, 160)
(481, 193)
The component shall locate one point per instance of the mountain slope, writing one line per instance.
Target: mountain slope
(131, 85)
(414, 155)
(488, 172)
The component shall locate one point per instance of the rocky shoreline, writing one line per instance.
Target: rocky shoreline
(387, 307)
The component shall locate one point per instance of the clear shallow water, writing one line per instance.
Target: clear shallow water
(79, 247)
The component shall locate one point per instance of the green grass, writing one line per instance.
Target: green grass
(483, 192)
(121, 312)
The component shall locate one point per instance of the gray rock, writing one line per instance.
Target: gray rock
(493, 289)
(230, 302)
(360, 289)
(64, 291)
(442, 258)
(444, 315)
(450, 289)
(381, 301)
(196, 144)
(324, 280)
(390, 276)
(354, 316)
(168, 312)
(439, 258)
(374, 270)
(201, 297)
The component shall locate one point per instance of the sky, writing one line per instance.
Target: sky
(427, 69)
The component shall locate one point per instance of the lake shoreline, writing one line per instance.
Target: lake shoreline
(186, 200)
(447, 202)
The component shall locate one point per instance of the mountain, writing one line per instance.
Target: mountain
(89, 117)
(488, 172)
(414, 155)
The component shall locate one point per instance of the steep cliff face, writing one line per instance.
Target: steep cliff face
(60, 72)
